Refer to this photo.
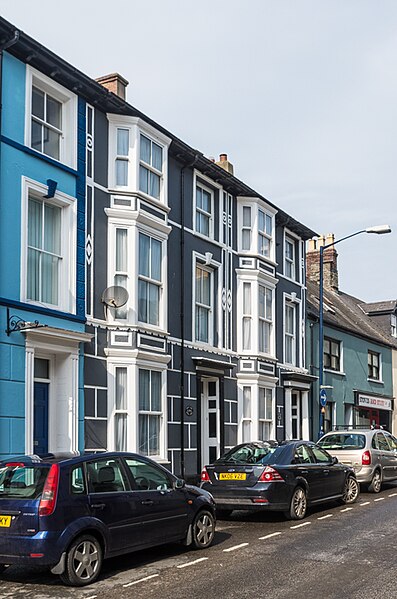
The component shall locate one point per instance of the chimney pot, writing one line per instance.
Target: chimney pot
(115, 83)
(224, 163)
(222, 157)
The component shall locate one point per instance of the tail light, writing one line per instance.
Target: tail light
(15, 465)
(49, 496)
(270, 475)
(366, 458)
(205, 476)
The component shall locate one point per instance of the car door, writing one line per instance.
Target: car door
(387, 458)
(112, 501)
(165, 509)
(332, 475)
(304, 465)
(393, 446)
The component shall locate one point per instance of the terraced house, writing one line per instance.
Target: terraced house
(193, 284)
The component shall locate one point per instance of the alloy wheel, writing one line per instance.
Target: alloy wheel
(85, 560)
(351, 490)
(376, 482)
(298, 504)
(203, 529)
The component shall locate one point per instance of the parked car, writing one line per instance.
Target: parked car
(285, 477)
(372, 454)
(70, 512)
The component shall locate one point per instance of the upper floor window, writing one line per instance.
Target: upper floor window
(121, 267)
(150, 167)
(51, 119)
(203, 308)
(289, 334)
(150, 412)
(393, 324)
(265, 226)
(204, 209)
(246, 229)
(247, 315)
(265, 313)
(373, 365)
(332, 354)
(149, 279)
(289, 257)
(49, 270)
(122, 151)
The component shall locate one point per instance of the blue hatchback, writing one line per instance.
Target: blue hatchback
(69, 512)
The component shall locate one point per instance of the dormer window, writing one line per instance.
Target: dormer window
(394, 325)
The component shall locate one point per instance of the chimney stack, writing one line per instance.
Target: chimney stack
(224, 163)
(330, 262)
(114, 83)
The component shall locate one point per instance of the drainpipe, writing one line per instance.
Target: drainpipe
(182, 312)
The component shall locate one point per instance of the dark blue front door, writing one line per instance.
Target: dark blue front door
(40, 431)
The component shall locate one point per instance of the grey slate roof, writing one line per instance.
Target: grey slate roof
(385, 307)
(346, 312)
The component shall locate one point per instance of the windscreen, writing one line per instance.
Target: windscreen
(19, 481)
(252, 454)
(342, 441)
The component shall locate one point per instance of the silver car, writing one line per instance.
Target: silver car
(372, 454)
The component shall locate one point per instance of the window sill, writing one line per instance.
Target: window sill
(338, 372)
(378, 381)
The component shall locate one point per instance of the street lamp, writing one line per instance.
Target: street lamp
(379, 230)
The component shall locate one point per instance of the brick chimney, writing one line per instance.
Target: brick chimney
(330, 262)
(114, 83)
(224, 163)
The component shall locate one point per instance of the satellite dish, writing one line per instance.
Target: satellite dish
(115, 297)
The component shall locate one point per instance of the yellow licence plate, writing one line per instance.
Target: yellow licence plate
(232, 476)
(5, 521)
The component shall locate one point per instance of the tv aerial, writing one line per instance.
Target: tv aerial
(114, 297)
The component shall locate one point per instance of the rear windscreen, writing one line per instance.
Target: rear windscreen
(252, 454)
(342, 441)
(22, 481)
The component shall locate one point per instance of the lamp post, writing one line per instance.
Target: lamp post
(379, 230)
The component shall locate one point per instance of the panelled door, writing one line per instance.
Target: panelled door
(210, 421)
(40, 428)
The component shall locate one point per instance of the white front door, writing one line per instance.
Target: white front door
(210, 421)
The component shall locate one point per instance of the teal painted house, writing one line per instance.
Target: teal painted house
(42, 254)
(358, 373)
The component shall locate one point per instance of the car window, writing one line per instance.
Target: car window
(77, 483)
(382, 442)
(105, 476)
(148, 476)
(392, 442)
(252, 453)
(19, 481)
(302, 455)
(320, 455)
(342, 441)
(374, 442)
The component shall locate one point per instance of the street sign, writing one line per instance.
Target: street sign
(323, 397)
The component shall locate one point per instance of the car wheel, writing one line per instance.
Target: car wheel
(298, 506)
(2, 568)
(376, 482)
(351, 490)
(223, 513)
(203, 529)
(83, 561)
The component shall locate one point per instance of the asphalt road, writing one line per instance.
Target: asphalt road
(334, 553)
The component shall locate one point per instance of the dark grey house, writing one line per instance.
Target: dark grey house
(208, 349)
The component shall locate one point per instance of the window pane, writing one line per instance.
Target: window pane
(206, 201)
(143, 179)
(121, 250)
(154, 435)
(246, 402)
(263, 245)
(246, 333)
(268, 224)
(38, 103)
(121, 388)
(144, 389)
(156, 260)
(269, 301)
(121, 172)
(49, 279)
(246, 239)
(145, 149)
(51, 143)
(203, 224)
(121, 281)
(52, 228)
(54, 112)
(246, 216)
(199, 197)
(154, 296)
(122, 142)
(37, 131)
(157, 157)
(154, 185)
(202, 324)
(144, 255)
(33, 283)
(143, 434)
(120, 432)
(35, 223)
(142, 301)
(156, 391)
(247, 298)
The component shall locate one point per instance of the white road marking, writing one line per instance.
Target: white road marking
(196, 561)
(323, 517)
(273, 534)
(299, 525)
(140, 580)
(379, 499)
(91, 597)
(393, 495)
(236, 547)
(365, 503)
(346, 509)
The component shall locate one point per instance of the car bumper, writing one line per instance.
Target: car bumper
(40, 549)
(267, 497)
(363, 474)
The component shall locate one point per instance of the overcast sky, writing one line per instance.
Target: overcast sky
(301, 95)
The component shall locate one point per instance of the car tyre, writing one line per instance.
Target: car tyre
(223, 513)
(2, 568)
(203, 529)
(351, 490)
(376, 482)
(298, 505)
(83, 561)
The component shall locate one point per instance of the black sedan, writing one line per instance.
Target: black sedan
(284, 477)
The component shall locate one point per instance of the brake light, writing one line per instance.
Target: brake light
(270, 475)
(366, 458)
(50, 492)
(15, 465)
(205, 476)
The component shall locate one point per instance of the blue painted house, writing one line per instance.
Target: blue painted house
(42, 253)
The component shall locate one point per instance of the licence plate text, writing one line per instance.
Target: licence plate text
(5, 521)
(232, 476)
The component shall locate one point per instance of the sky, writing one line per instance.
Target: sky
(301, 95)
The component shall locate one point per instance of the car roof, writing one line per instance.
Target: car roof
(72, 457)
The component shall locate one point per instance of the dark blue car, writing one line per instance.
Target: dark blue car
(69, 512)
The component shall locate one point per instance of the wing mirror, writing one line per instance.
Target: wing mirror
(335, 460)
(179, 483)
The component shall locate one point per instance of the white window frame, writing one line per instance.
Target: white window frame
(68, 143)
(150, 280)
(290, 263)
(210, 308)
(288, 304)
(333, 340)
(263, 233)
(197, 210)
(269, 421)
(136, 127)
(264, 318)
(393, 325)
(246, 418)
(67, 274)
(256, 206)
(160, 413)
(378, 353)
(148, 166)
(247, 316)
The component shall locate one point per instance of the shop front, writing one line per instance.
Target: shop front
(373, 411)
